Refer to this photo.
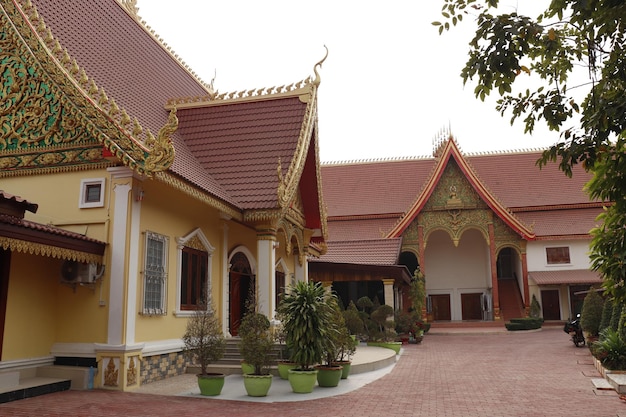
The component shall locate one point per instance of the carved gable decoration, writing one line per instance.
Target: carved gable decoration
(53, 117)
(453, 191)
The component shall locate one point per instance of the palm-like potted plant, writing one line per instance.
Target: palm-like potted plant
(256, 349)
(329, 371)
(306, 321)
(283, 363)
(204, 343)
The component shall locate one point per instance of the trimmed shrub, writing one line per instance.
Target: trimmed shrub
(607, 311)
(524, 323)
(535, 308)
(617, 314)
(591, 313)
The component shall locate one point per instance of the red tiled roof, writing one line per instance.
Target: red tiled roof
(561, 222)
(363, 252)
(517, 182)
(131, 66)
(240, 144)
(355, 189)
(391, 186)
(341, 230)
(573, 276)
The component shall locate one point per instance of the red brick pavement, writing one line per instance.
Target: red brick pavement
(509, 374)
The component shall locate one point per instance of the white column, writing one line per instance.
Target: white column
(388, 287)
(225, 277)
(301, 270)
(118, 255)
(133, 267)
(266, 257)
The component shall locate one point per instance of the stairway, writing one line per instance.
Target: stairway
(231, 362)
(511, 305)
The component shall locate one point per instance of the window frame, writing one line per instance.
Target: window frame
(554, 259)
(195, 240)
(85, 184)
(148, 273)
(188, 277)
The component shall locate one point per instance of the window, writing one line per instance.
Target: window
(155, 274)
(91, 193)
(193, 279)
(558, 255)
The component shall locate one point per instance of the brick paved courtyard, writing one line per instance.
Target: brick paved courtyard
(506, 374)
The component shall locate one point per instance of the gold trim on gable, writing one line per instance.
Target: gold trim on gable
(33, 248)
(50, 101)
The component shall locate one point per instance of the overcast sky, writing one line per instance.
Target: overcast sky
(390, 83)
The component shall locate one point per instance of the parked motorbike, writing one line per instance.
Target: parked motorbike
(573, 328)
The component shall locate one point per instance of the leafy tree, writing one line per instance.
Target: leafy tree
(615, 317)
(568, 40)
(417, 292)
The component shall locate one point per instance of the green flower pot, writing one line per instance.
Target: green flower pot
(283, 369)
(346, 365)
(257, 385)
(211, 384)
(302, 382)
(328, 376)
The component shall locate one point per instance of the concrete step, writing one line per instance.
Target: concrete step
(617, 381)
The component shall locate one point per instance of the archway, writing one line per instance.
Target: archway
(241, 285)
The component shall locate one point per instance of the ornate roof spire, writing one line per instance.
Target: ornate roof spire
(317, 79)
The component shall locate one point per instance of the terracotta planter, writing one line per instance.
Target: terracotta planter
(211, 384)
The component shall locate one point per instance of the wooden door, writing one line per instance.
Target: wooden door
(441, 306)
(550, 305)
(471, 307)
(234, 301)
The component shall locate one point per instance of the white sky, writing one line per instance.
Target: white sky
(389, 85)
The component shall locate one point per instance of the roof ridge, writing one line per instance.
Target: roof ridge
(131, 8)
(294, 89)
(377, 160)
(506, 152)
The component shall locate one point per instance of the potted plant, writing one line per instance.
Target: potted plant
(283, 363)
(204, 343)
(346, 347)
(383, 333)
(329, 371)
(306, 321)
(256, 349)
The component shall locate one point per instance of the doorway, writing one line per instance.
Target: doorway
(550, 304)
(471, 306)
(440, 304)
(241, 288)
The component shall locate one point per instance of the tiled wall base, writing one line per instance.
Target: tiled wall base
(158, 367)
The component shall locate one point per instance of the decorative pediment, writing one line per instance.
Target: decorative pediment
(53, 117)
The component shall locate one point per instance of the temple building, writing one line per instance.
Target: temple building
(488, 231)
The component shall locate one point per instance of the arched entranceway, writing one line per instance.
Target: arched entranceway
(241, 286)
(509, 271)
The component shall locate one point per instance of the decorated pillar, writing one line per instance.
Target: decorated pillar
(494, 273)
(266, 271)
(225, 275)
(525, 280)
(328, 286)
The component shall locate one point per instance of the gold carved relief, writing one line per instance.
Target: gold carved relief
(110, 374)
(131, 372)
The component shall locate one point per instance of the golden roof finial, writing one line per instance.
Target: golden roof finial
(317, 79)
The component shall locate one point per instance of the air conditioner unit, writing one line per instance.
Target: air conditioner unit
(74, 272)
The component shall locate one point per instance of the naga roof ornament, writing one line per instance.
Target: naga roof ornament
(53, 117)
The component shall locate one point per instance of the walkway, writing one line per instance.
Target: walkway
(500, 374)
